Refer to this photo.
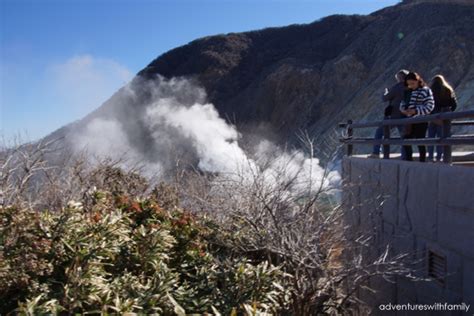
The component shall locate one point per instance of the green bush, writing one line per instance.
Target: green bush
(125, 254)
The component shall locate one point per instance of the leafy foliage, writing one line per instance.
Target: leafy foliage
(125, 254)
(272, 241)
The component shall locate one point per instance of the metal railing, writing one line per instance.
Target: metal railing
(447, 140)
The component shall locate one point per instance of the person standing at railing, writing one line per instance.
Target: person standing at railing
(393, 96)
(421, 102)
(445, 101)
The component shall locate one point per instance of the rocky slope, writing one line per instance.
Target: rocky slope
(310, 77)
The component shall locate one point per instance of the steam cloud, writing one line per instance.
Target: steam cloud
(158, 122)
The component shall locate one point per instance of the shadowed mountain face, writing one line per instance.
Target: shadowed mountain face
(313, 76)
(310, 77)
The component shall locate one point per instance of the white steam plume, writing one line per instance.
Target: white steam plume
(155, 122)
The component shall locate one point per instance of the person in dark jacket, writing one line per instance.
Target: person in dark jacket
(393, 96)
(445, 101)
(420, 102)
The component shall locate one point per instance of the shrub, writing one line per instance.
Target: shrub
(125, 254)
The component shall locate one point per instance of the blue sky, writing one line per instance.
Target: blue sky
(61, 59)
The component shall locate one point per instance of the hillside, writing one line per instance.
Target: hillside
(312, 76)
(279, 81)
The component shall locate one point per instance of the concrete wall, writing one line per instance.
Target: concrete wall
(416, 208)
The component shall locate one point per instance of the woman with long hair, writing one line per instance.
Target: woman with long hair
(419, 102)
(445, 101)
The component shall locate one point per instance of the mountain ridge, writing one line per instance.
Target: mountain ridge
(312, 76)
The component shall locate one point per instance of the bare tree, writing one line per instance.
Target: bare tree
(46, 175)
(293, 218)
(281, 206)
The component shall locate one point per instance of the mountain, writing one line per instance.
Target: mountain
(279, 81)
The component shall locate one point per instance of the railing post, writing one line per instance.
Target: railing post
(350, 132)
(386, 148)
(446, 133)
